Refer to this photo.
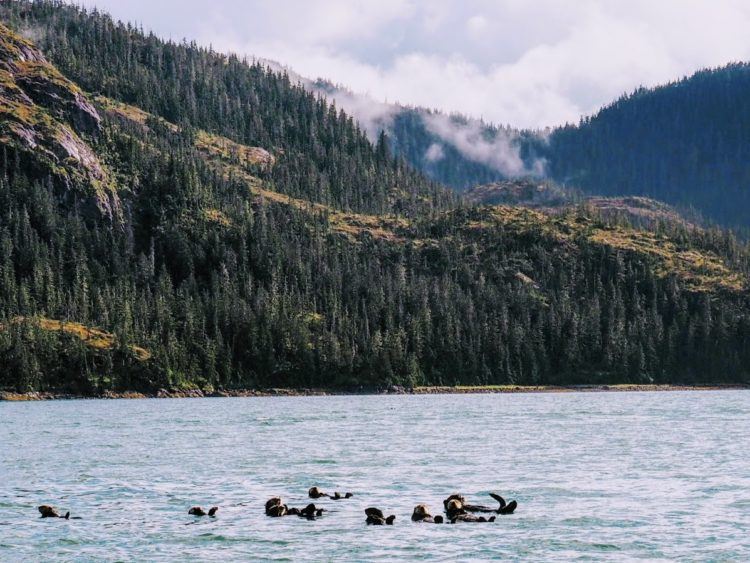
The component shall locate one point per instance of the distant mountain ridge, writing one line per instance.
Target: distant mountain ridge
(684, 143)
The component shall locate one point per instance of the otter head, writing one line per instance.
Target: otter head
(196, 511)
(420, 512)
(348, 495)
(47, 511)
(454, 507)
(372, 511)
(212, 510)
(275, 501)
(276, 510)
(315, 492)
(309, 510)
(457, 497)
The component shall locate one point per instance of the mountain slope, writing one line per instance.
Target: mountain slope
(263, 241)
(42, 115)
(684, 143)
(550, 197)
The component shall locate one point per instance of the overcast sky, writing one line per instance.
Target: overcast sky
(528, 63)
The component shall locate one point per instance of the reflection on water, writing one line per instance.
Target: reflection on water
(607, 475)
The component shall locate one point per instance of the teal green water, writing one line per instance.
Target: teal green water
(615, 476)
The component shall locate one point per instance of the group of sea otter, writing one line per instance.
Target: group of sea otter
(456, 510)
(276, 508)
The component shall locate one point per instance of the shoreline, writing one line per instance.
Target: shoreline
(12, 396)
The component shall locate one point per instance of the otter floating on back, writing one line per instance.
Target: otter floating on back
(458, 509)
(375, 516)
(421, 513)
(198, 511)
(48, 511)
(276, 508)
(316, 493)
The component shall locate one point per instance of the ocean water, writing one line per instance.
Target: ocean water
(598, 476)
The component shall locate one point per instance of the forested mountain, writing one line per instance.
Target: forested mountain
(173, 217)
(685, 143)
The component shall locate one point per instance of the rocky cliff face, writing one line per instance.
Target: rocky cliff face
(45, 117)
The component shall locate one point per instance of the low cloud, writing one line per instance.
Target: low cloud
(528, 64)
(434, 153)
(372, 116)
(498, 148)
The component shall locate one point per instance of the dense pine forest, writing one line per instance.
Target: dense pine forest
(684, 143)
(171, 217)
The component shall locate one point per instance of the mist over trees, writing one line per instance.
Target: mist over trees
(684, 143)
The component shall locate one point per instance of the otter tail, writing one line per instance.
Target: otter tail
(67, 515)
(499, 499)
(509, 508)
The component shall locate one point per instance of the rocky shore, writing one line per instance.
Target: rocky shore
(392, 390)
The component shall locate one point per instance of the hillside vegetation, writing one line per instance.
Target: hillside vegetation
(263, 241)
(683, 143)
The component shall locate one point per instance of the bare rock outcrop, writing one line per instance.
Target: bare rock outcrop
(43, 115)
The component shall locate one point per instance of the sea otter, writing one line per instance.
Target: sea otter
(457, 513)
(422, 514)
(311, 511)
(275, 508)
(504, 508)
(198, 511)
(316, 493)
(375, 516)
(50, 512)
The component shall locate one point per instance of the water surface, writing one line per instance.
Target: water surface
(597, 476)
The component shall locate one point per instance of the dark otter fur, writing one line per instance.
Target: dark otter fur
(421, 513)
(198, 511)
(503, 508)
(276, 508)
(48, 511)
(311, 511)
(375, 516)
(471, 518)
(457, 513)
(316, 493)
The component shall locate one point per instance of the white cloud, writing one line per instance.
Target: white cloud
(434, 153)
(528, 64)
(477, 25)
(470, 138)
